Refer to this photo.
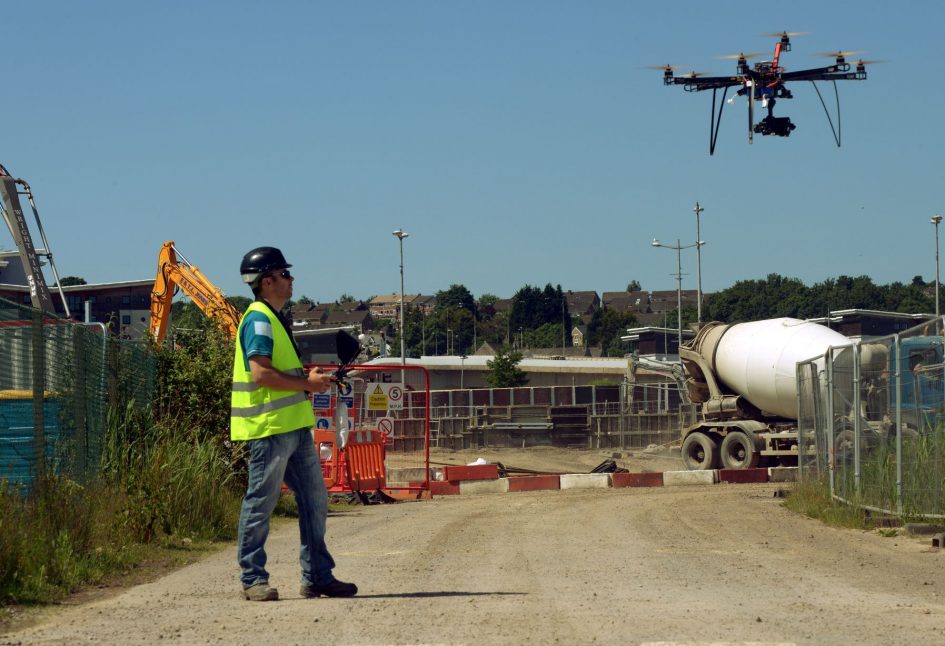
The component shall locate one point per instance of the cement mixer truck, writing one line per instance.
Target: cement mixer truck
(744, 377)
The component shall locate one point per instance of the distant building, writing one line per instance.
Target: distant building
(857, 323)
(123, 307)
(451, 372)
(387, 306)
(668, 300)
(656, 342)
(578, 335)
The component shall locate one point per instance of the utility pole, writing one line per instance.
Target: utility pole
(401, 234)
(698, 210)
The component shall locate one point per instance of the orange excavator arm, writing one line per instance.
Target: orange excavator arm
(174, 271)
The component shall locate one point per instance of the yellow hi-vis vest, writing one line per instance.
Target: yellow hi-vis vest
(257, 411)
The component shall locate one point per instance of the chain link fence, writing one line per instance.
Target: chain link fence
(58, 380)
(871, 416)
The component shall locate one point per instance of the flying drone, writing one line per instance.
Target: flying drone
(766, 81)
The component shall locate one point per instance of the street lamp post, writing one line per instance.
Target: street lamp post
(936, 219)
(678, 247)
(698, 210)
(400, 234)
(472, 313)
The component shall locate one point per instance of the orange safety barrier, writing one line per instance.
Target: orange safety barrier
(327, 447)
(364, 461)
(387, 440)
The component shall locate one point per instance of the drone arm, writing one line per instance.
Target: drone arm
(831, 73)
(691, 84)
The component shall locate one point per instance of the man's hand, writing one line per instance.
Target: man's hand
(318, 380)
(265, 375)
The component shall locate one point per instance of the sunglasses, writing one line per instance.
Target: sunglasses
(285, 273)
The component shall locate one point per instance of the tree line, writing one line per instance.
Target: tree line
(541, 317)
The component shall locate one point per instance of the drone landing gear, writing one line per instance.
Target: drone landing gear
(716, 119)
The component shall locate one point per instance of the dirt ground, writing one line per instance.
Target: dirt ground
(723, 564)
(554, 460)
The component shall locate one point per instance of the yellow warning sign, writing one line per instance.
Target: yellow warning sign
(377, 399)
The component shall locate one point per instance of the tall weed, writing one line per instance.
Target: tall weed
(168, 471)
(56, 538)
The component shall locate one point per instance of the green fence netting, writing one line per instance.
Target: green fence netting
(58, 380)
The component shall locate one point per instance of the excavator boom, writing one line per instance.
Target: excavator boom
(174, 271)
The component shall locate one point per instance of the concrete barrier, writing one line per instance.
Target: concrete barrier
(585, 481)
(471, 472)
(534, 483)
(484, 486)
(444, 488)
(679, 478)
(654, 479)
(743, 475)
(782, 474)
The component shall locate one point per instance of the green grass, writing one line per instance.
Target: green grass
(161, 488)
(812, 499)
(923, 476)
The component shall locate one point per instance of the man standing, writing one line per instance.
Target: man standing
(270, 410)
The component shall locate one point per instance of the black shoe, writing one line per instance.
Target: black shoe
(334, 589)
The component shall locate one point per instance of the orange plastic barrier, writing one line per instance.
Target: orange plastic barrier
(327, 448)
(364, 461)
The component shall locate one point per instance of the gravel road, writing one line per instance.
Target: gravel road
(724, 564)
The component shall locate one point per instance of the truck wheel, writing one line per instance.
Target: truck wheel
(738, 451)
(700, 452)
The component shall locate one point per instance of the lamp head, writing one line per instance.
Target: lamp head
(655, 243)
(400, 233)
(936, 219)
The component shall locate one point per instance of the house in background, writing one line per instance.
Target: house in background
(582, 304)
(387, 306)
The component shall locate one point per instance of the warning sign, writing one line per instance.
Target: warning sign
(323, 423)
(395, 396)
(377, 398)
(386, 426)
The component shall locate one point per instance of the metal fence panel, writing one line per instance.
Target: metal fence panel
(877, 410)
(628, 416)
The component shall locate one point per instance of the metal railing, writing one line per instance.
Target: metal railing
(631, 415)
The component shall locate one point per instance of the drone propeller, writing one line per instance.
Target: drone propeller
(662, 68)
(873, 62)
(784, 34)
(741, 56)
(691, 75)
(838, 54)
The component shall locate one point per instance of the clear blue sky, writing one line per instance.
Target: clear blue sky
(516, 141)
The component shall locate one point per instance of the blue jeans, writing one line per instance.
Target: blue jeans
(288, 457)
